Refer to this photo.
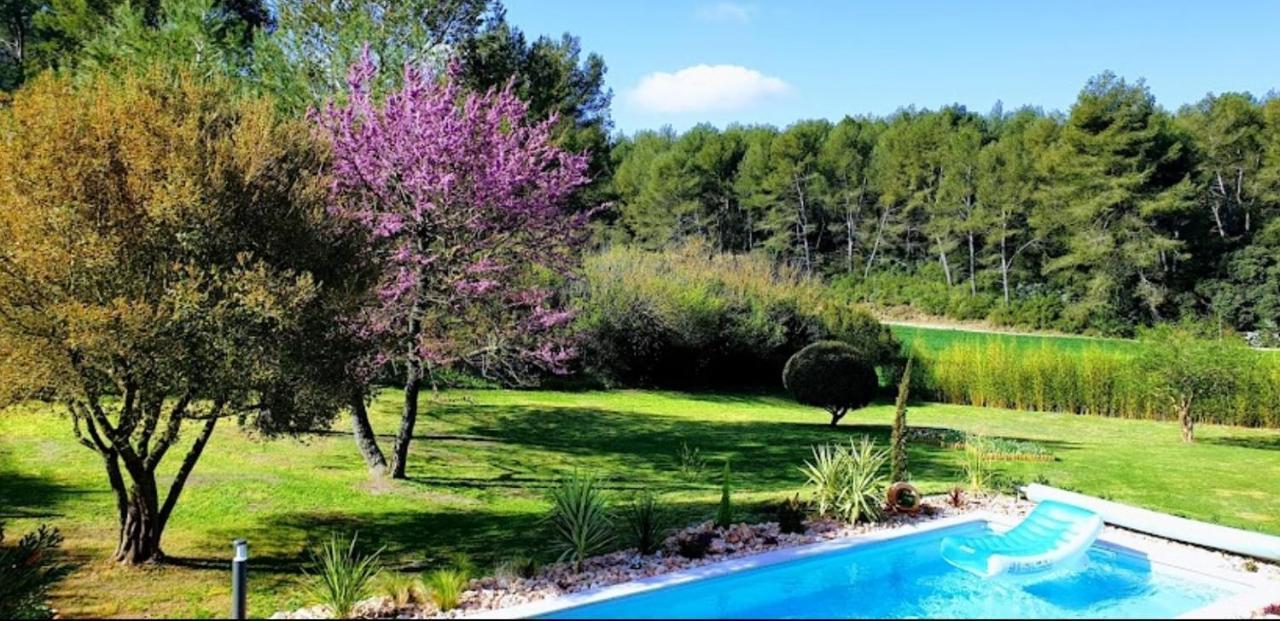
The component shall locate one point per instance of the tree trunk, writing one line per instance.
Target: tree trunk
(836, 415)
(141, 527)
(942, 258)
(366, 441)
(1004, 268)
(409, 417)
(973, 282)
(1188, 423)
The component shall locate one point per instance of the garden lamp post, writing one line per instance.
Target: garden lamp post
(239, 579)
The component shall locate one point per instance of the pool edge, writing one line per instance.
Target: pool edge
(721, 568)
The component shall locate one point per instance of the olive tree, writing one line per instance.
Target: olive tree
(1186, 370)
(832, 375)
(165, 264)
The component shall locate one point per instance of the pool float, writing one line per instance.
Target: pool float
(1054, 535)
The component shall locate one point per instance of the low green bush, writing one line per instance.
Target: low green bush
(27, 571)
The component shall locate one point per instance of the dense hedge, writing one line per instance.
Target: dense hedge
(692, 318)
(1105, 382)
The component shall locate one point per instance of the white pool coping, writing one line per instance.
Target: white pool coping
(1254, 592)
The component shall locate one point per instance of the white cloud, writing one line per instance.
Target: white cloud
(705, 88)
(726, 12)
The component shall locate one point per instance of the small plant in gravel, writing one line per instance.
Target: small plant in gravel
(1272, 610)
(694, 544)
(691, 462)
(516, 567)
(955, 497)
(403, 589)
(791, 515)
(343, 575)
(644, 517)
(978, 464)
(446, 586)
(724, 515)
(580, 519)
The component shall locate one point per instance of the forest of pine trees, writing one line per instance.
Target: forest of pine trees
(1113, 215)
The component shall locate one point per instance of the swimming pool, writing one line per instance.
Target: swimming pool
(906, 577)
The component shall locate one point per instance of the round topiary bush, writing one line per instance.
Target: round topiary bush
(831, 375)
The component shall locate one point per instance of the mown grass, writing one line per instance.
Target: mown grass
(484, 460)
(933, 340)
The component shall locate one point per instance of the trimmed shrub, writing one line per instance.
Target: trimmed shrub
(831, 375)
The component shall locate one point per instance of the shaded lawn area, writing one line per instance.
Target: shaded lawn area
(483, 461)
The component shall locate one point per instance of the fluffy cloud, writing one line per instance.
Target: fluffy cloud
(726, 12)
(705, 88)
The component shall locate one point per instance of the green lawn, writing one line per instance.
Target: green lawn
(936, 339)
(483, 461)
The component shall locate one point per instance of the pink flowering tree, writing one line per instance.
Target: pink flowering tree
(462, 198)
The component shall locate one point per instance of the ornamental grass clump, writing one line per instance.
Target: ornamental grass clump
(580, 519)
(343, 576)
(644, 517)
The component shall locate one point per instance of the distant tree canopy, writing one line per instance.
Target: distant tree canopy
(1114, 215)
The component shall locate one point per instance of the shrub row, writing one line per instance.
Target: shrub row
(1094, 381)
(690, 317)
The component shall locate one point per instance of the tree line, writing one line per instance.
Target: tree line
(1115, 214)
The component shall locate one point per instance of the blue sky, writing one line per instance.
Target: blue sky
(682, 62)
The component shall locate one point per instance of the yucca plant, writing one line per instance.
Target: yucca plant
(580, 519)
(342, 575)
(864, 483)
(445, 587)
(644, 517)
(824, 476)
(848, 482)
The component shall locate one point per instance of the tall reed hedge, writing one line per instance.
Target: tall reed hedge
(1096, 381)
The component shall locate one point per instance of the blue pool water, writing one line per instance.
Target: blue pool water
(907, 577)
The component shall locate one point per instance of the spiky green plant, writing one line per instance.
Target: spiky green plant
(724, 515)
(644, 517)
(342, 575)
(580, 519)
(848, 483)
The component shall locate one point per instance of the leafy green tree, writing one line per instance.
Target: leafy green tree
(1121, 189)
(845, 161)
(1007, 182)
(794, 220)
(166, 264)
(1187, 369)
